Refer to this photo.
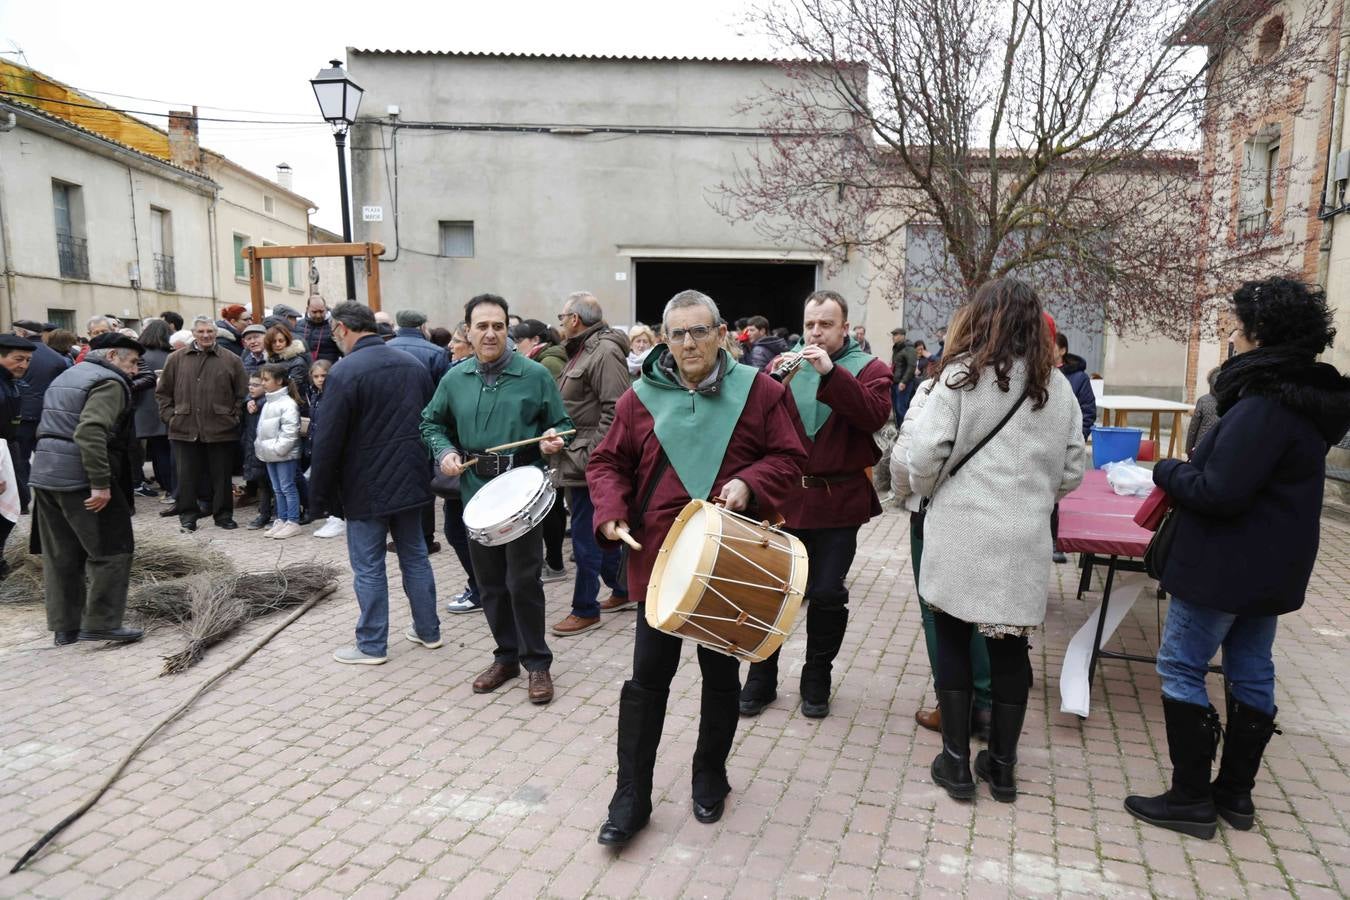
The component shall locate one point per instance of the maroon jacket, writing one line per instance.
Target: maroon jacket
(764, 452)
(843, 446)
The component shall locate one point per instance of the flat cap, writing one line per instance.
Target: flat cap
(410, 318)
(30, 325)
(898, 331)
(253, 329)
(14, 342)
(115, 341)
(290, 312)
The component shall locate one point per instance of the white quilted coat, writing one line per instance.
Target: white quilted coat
(278, 429)
(986, 552)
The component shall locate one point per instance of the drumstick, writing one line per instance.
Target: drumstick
(515, 444)
(628, 538)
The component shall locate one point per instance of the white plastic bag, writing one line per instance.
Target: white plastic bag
(1129, 479)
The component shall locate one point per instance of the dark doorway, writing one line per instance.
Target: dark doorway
(775, 290)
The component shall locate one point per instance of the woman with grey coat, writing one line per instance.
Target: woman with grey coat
(998, 442)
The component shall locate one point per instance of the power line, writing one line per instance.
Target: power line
(261, 112)
(163, 115)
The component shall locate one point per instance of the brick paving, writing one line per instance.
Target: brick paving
(299, 776)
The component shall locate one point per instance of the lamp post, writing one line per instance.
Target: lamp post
(339, 98)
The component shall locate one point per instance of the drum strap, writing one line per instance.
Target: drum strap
(662, 463)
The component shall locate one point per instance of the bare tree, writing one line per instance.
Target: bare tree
(1053, 139)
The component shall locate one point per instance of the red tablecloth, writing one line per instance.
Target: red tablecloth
(1095, 519)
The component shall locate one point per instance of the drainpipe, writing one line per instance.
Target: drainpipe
(9, 125)
(212, 227)
(1339, 91)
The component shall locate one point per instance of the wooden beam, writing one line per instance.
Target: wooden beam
(373, 277)
(295, 251)
(255, 284)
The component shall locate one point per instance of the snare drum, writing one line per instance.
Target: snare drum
(509, 506)
(727, 582)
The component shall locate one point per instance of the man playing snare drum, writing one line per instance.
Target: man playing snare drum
(696, 424)
(496, 398)
(840, 397)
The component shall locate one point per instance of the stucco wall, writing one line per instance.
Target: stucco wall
(241, 209)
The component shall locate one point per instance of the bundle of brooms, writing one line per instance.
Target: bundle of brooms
(183, 584)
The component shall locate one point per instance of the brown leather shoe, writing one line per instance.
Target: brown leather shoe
(493, 677)
(575, 625)
(615, 603)
(541, 687)
(930, 719)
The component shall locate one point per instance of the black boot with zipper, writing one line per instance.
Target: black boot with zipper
(1244, 742)
(951, 767)
(996, 764)
(1188, 806)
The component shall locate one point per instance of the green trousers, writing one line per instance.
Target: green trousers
(979, 653)
(86, 559)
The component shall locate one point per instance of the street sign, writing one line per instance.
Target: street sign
(372, 214)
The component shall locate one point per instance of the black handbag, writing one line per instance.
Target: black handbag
(1160, 545)
(916, 520)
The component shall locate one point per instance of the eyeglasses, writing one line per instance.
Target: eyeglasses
(566, 315)
(697, 332)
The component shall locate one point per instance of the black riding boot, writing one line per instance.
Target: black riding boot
(1188, 807)
(642, 713)
(825, 627)
(951, 767)
(761, 686)
(1244, 742)
(996, 764)
(717, 718)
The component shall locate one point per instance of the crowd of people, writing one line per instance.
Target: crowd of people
(630, 424)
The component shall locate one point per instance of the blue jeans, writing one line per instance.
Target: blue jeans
(366, 549)
(593, 564)
(282, 475)
(1191, 637)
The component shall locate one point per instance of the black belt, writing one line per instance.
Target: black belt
(824, 481)
(489, 465)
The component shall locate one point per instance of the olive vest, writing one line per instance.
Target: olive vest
(57, 465)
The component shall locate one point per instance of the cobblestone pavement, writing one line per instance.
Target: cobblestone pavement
(300, 776)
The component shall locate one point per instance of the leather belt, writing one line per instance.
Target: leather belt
(824, 481)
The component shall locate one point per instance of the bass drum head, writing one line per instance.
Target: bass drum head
(688, 551)
(503, 497)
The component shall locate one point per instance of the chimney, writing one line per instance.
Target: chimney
(184, 149)
(284, 177)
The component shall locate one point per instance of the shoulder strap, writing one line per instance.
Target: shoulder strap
(662, 463)
(988, 437)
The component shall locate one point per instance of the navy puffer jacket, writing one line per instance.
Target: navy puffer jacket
(367, 447)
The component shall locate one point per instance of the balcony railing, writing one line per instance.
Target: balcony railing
(73, 253)
(164, 278)
(1253, 225)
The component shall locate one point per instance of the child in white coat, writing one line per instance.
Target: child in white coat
(278, 445)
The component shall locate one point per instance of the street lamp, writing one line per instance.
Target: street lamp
(339, 97)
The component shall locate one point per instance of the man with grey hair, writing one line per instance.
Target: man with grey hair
(201, 398)
(591, 383)
(697, 424)
(83, 516)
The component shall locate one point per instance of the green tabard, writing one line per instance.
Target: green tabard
(694, 427)
(805, 385)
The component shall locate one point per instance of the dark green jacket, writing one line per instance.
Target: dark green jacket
(466, 415)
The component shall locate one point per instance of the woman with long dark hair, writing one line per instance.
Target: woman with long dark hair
(1247, 509)
(999, 440)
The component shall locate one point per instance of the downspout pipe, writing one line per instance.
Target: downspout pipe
(10, 123)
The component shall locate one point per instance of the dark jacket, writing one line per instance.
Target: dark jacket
(42, 370)
(367, 447)
(319, 343)
(764, 351)
(85, 430)
(200, 392)
(296, 362)
(411, 342)
(229, 338)
(1075, 369)
(904, 358)
(553, 357)
(11, 405)
(595, 377)
(252, 363)
(254, 468)
(1248, 502)
(147, 420)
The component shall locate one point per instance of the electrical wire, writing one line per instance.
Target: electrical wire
(146, 112)
(261, 112)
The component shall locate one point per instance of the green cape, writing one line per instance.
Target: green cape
(805, 385)
(694, 428)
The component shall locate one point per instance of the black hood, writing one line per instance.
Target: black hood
(773, 343)
(1073, 364)
(1312, 389)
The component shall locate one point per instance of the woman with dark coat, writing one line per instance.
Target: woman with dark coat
(284, 349)
(149, 427)
(1247, 507)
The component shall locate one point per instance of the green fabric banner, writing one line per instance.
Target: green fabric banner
(694, 427)
(805, 385)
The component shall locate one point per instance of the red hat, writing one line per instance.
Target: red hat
(1050, 324)
(232, 312)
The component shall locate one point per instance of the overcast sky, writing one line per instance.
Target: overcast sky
(254, 60)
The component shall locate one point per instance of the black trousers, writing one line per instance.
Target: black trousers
(161, 461)
(215, 463)
(457, 537)
(656, 656)
(513, 599)
(555, 523)
(1009, 663)
(829, 553)
(21, 451)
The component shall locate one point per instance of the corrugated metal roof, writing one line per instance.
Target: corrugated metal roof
(603, 57)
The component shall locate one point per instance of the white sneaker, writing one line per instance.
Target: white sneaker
(287, 530)
(272, 529)
(355, 657)
(332, 528)
(411, 634)
(548, 573)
